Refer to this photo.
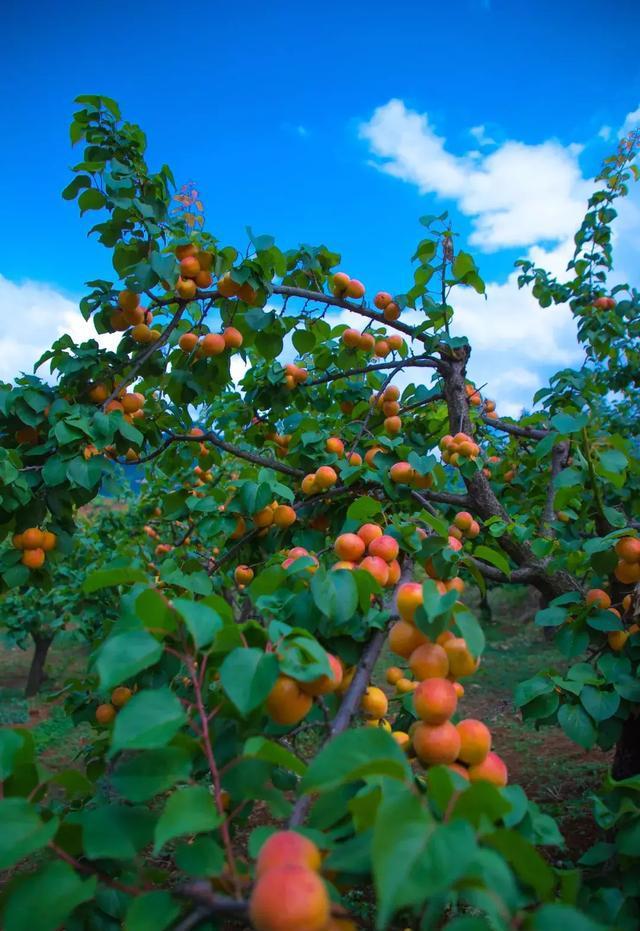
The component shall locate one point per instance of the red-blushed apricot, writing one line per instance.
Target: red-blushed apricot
(203, 279)
(243, 575)
(33, 558)
(284, 516)
(132, 402)
(492, 769)
(189, 266)
(308, 484)
(435, 700)
(371, 454)
(287, 703)
(475, 741)
(463, 520)
(604, 303)
(474, 530)
(436, 744)
(335, 445)
(628, 549)
(391, 313)
(288, 848)
(381, 349)
(367, 342)
(392, 426)
(135, 317)
(390, 408)
(325, 684)
(599, 598)
(369, 532)
(17, 541)
(386, 547)
(141, 334)
(340, 283)
(105, 713)
(381, 300)
(99, 394)
(461, 662)
(349, 546)
(454, 544)
(394, 572)
(297, 552)
(429, 661)
(354, 459)
(374, 702)
(351, 338)
(49, 541)
(459, 769)
(232, 337)
(404, 638)
(32, 538)
(401, 473)
(627, 572)
(186, 249)
(325, 477)
(456, 584)
(120, 696)
(355, 289)
(188, 342)
(226, 286)
(376, 567)
(343, 564)
(408, 598)
(289, 898)
(186, 288)
(212, 344)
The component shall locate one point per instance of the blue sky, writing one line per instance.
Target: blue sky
(336, 123)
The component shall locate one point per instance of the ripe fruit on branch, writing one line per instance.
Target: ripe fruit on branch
(374, 702)
(461, 662)
(232, 337)
(335, 445)
(408, 598)
(325, 684)
(401, 473)
(369, 532)
(212, 344)
(105, 713)
(492, 769)
(376, 567)
(475, 741)
(595, 596)
(287, 703)
(628, 549)
(288, 848)
(604, 303)
(404, 638)
(284, 516)
(349, 546)
(243, 575)
(436, 744)
(435, 700)
(289, 898)
(188, 342)
(381, 300)
(385, 546)
(429, 661)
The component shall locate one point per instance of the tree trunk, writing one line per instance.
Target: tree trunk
(626, 762)
(36, 671)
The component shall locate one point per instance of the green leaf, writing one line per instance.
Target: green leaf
(116, 832)
(190, 810)
(363, 508)
(200, 857)
(525, 859)
(43, 900)
(470, 629)
(531, 688)
(126, 654)
(23, 831)
(551, 617)
(569, 423)
(600, 704)
(10, 742)
(203, 623)
(151, 911)
(577, 725)
(104, 578)
(564, 917)
(335, 594)
(148, 721)
(353, 755)
(263, 749)
(247, 675)
(140, 777)
(494, 558)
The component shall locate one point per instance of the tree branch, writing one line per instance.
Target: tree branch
(531, 433)
(415, 362)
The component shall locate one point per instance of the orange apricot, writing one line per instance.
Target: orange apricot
(369, 532)
(435, 700)
(335, 445)
(436, 744)
(33, 558)
(287, 703)
(212, 344)
(355, 289)
(599, 598)
(243, 575)
(323, 685)
(289, 898)
(381, 300)
(408, 598)
(325, 477)
(376, 567)
(49, 541)
(492, 769)
(32, 538)
(374, 702)
(351, 338)
(386, 547)
(461, 662)
(188, 342)
(105, 713)
(288, 848)
(349, 546)
(628, 549)
(340, 283)
(120, 696)
(475, 741)
(404, 638)
(232, 337)
(401, 473)
(429, 661)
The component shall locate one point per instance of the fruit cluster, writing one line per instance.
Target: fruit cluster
(298, 552)
(289, 892)
(195, 270)
(130, 313)
(458, 447)
(437, 667)
(323, 478)
(290, 700)
(464, 526)
(371, 550)
(276, 514)
(616, 639)
(344, 286)
(294, 376)
(384, 302)
(627, 570)
(35, 544)
(365, 341)
(403, 473)
(213, 344)
(106, 712)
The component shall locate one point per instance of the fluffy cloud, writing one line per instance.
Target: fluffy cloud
(516, 195)
(631, 121)
(33, 316)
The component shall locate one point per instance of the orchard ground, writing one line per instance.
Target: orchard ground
(556, 773)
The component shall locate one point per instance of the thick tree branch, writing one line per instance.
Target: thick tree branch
(531, 433)
(415, 362)
(558, 460)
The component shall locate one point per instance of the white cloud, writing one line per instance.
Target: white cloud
(517, 195)
(605, 132)
(33, 316)
(631, 121)
(479, 133)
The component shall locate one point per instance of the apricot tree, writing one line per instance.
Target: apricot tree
(312, 491)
